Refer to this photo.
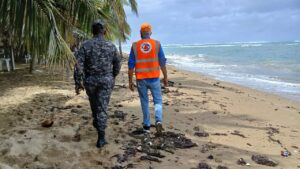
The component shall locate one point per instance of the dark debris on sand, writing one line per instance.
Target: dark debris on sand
(174, 140)
(222, 167)
(168, 140)
(119, 115)
(201, 134)
(117, 167)
(130, 151)
(203, 165)
(149, 147)
(149, 158)
(238, 133)
(241, 162)
(208, 147)
(47, 123)
(170, 83)
(264, 160)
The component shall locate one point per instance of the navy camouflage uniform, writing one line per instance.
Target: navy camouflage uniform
(98, 63)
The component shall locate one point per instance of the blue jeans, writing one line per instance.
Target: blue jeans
(155, 88)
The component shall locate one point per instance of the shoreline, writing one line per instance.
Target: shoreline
(269, 67)
(210, 77)
(240, 122)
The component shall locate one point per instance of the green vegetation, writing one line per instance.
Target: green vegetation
(46, 28)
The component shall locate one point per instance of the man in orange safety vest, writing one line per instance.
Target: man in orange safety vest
(146, 60)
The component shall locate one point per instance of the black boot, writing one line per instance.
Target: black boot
(101, 139)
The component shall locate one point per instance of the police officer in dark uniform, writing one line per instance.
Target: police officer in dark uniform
(98, 64)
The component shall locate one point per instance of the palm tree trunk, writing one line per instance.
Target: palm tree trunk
(12, 58)
(11, 49)
(120, 48)
(66, 62)
(32, 64)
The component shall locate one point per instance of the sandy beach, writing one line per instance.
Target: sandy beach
(226, 122)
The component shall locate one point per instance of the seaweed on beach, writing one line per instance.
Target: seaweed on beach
(264, 160)
(203, 165)
(119, 115)
(152, 146)
(176, 140)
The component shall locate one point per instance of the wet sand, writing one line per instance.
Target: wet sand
(226, 122)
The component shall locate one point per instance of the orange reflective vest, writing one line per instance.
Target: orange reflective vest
(146, 59)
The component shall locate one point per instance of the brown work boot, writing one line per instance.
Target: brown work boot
(159, 128)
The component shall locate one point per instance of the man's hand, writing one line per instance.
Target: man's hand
(166, 84)
(78, 88)
(130, 75)
(131, 86)
(164, 70)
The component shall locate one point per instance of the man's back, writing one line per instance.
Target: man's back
(100, 55)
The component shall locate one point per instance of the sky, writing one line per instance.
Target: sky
(217, 21)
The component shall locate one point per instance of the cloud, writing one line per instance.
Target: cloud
(207, 21)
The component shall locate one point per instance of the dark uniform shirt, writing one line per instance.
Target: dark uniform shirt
(97, 59)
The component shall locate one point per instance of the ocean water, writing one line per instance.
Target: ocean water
(273, 67)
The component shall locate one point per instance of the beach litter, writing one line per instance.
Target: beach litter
(271, 130)
(286, 153)
(151, 147)
(171, 83)
(118, 105)
(219, 134)
(176, 140)
(47, 123)
(76, 137)
(238, 133)
(130, 151)
(76, 111)
(166, 140)
(118, 167)
(137, 133)
(196, 128)
(201, 134)
(222, 167)
(208, 147)
(211, 157)
(203, 165)
(149, 158)
(119, 115)
(242, 162)
(264, 160)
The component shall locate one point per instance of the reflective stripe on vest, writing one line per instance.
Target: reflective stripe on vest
(147, 69)
(146, 58)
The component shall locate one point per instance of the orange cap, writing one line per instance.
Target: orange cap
(146, 28)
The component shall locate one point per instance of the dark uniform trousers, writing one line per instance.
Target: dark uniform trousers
(99, 96)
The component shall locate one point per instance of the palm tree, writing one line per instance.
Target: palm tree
(33, 23)
(43, 27)
(118, 14)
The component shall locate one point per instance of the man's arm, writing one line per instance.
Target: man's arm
(116, 63)
(78, 70)
(162, 63)
(131, 65)
(165, 73)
